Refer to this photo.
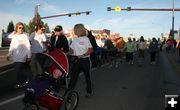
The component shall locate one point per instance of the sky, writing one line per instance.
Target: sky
(138, 23)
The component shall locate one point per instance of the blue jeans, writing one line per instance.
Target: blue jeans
(20, 75)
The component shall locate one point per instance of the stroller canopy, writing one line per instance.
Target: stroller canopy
(56, 59)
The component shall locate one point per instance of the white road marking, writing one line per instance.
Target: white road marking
(11, 100)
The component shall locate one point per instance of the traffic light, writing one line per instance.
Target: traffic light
(78, 13)
(128, 8)
(108, 8)
(87, 13)
(117, 9)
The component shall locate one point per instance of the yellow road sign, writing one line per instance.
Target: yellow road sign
(117, 9)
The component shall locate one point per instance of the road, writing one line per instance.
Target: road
(3, 60)
(127, 87)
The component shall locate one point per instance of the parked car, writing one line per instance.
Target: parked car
(6, 39)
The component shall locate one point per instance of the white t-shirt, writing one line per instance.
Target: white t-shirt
(37, 42)
(19, 48)
(80, 45)
(100, 43)
(142, 45)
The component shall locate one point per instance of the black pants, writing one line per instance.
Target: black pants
(129, 56)
(20, 73)
(153, 56)
(84, 65)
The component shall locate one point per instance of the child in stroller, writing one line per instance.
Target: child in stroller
(50, 89)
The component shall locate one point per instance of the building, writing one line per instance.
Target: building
(101, 31)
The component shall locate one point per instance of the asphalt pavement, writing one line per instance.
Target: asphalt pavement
(127, 87)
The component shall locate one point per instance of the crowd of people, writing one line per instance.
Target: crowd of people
(89, 50)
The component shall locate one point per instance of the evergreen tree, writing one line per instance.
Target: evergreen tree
(36, 21)
(47, 28)
(10, 27)
(26, 28)
(31, 27)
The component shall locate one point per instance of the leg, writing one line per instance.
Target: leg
(86, 67)
(74, 75)
(19, 72)
(33, 65)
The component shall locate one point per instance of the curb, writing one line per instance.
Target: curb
(4, 48)
(6, 67)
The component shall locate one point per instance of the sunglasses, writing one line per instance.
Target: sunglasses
(20, 28)
(57, 30)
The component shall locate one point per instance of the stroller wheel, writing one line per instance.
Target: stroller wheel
(31, 107)
(71, 100)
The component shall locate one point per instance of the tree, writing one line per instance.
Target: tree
(10, 27)
(47, 28)
(36, 21)
(31, 27)
(26, 28)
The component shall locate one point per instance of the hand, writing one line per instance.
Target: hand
(70, 51)
(8, 58)
(80, 56)
(28, 60)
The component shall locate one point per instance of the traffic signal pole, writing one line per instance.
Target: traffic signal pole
(143, 9)
(67, 14)
(173, 21)
(148, 9)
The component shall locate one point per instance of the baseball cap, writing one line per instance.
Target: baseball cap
(58, 28)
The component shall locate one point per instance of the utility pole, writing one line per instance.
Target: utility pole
(36, 14)
(173, 21)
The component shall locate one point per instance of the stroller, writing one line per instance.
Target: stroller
(50, 89)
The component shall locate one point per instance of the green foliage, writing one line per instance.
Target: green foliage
(26, 28)
(36, 21)
(29, 28)
(10, 27)
(47, 28)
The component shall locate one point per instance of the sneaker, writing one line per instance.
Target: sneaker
(116, 66)
(88, 95)
(17, 86)
(110, 65)
(154, 63)
(25, 84)
(121, 61)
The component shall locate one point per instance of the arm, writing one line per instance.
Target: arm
(90, 50)
(66, 45)
(10, 53)
(28, 45)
